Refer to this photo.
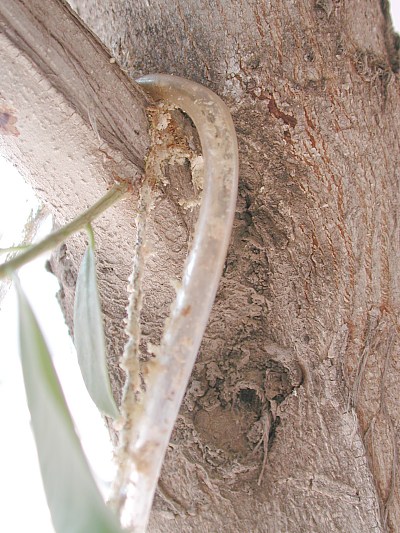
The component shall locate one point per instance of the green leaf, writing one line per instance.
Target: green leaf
(89, 335)
(75, 503)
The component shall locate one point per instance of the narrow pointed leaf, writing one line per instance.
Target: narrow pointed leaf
(89, 335)
(75, 503)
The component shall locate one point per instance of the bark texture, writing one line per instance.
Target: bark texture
(73, 123)
(291, 421)
(301, 357)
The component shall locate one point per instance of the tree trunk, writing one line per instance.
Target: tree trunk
(291, 421)
(73, 123)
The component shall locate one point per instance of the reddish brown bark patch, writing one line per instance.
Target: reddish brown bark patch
(277, 113)
(8, 121)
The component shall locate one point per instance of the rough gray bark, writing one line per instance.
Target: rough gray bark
(291, 421)
(311, 281)
(73, 123)
(79, 67)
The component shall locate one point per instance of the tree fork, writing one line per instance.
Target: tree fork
(311, 279)
(78, 65)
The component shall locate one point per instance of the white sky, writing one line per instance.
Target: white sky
(395, 8)
(23, 503)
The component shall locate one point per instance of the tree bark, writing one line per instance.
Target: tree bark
(311, 280)
(78, 66)
(291, 421)
(73, 123)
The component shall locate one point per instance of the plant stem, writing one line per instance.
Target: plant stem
(12, 249)
(57, 237)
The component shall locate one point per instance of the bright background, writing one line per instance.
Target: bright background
(23, 505)
(395, 8)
